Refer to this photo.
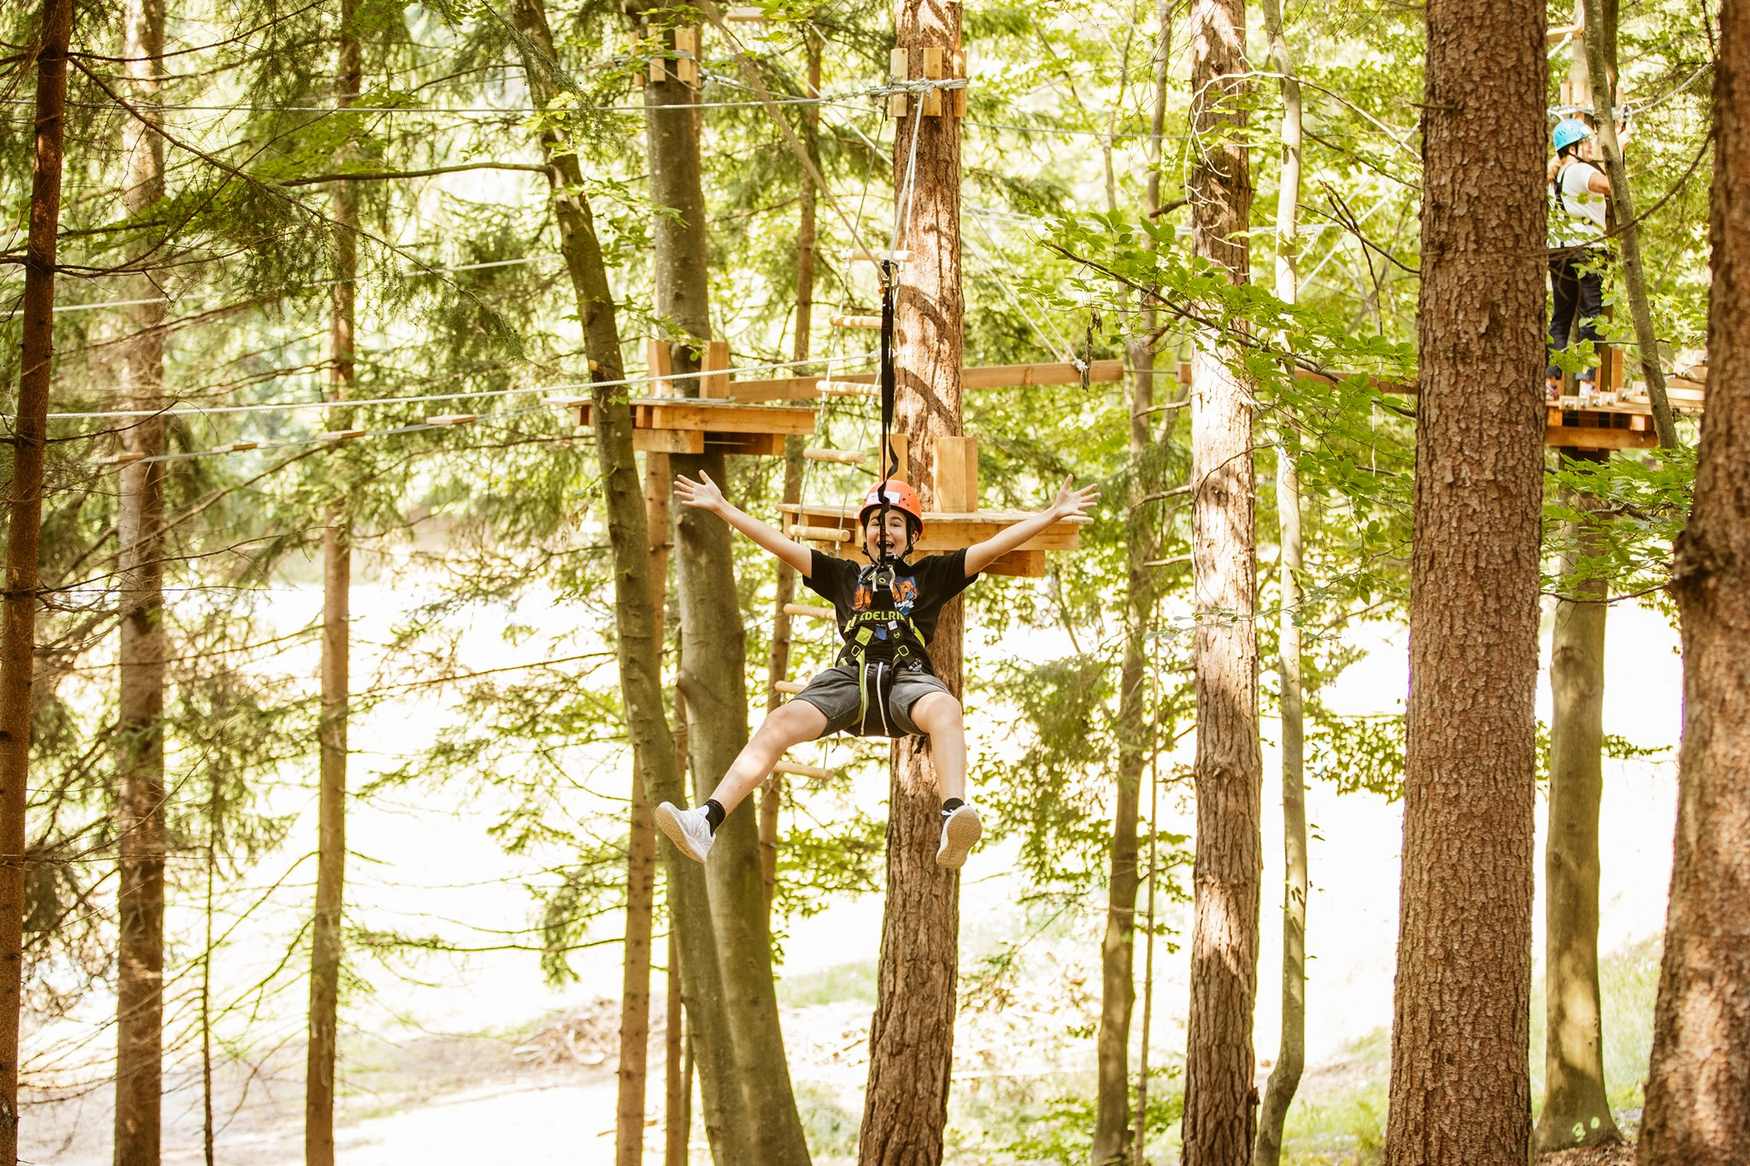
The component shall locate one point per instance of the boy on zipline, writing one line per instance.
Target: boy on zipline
(881, 683)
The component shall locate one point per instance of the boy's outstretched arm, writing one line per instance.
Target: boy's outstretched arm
(704, 495)
(1070, 503)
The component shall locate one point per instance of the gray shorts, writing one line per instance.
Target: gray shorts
(835, 693)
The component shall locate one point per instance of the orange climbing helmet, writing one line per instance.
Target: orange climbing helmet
(900, 497)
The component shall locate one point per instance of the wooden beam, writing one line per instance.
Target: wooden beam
(810, 611)
(658, 356)
(868, 323)
(716, 385)
(668, 441)
(957, 473)
(1021, 564)
(788, 687)
(800, 770)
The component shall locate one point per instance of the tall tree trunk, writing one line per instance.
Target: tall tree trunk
(641, 865)
(1575, 1110)
(1291, 1046)
(636, 649)
(911, 1040)
(1600, 56)
(1698, 1085)
(778, 667)
(1460, 1091)
(677, 1068)
(325, 947)
(140, 715)
(713, 646)
(24, 526)
(1111, 1142)
(1219, 1092)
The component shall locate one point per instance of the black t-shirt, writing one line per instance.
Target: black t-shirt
(883, 622)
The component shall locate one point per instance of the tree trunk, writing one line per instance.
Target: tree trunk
(1291, 1047)
(326, 943)
(1111, 1142)
(911, 1039)
(1698, 1084)
(713, 646)
(139, 814)
(1600, 49)
(772, 797)
(1460, 1093)
(677, 1069)
(637, 651)
(1575, 1110)
(632, 1074)
(24, 526)
(1219, 1092)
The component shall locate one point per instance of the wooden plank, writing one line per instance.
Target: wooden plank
(788, 687)
(800, 770)
(933, 70)
(668, 441)
(810, 611)
(1575, 437)
(899, 69)
(1022, 564)
(686, 46)
(1015, 376)
(957, 473)
(867, 323)
(843, 457)
(747, 444)
(958, 96)
(716, 385)
(659, 359)
(745, 14)
(722, 416)
(820, 534)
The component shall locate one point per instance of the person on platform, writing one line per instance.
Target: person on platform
(1579, 193)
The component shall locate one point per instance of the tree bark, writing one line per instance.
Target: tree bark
(1219, 1093)
(1291, 1046)
(140, 713)
(632, 1074)
(1112, 1140)
(911, 1040)
(1575, 1109)
(326, 949)
(778, 667)
(713, 645)
(1600, 53)
(636, 649)
(677, 1070)
(24, 528)
(1460, 1092)
(1698, 1084)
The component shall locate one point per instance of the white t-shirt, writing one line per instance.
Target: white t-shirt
(1580, 218)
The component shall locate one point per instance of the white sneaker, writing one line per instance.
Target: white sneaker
(689, 830)
(960, 830)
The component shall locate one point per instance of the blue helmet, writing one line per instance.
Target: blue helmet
(1568, 131)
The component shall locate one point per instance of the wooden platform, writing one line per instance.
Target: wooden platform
(1573, 423)
(944, 531)
(700, 425)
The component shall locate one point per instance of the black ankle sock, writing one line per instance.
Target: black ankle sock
(949, 806)
(714, 814)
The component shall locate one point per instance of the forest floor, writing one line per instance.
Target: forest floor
(1620, 1155)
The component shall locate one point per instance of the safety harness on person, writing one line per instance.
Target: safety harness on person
(882, 641)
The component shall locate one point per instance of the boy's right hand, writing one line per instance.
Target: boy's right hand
(702, 494)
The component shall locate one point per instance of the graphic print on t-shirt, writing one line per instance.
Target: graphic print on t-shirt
(878, 621)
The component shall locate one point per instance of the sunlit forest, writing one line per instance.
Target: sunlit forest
(945, 581)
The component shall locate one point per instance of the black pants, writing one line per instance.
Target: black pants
(1577, 287)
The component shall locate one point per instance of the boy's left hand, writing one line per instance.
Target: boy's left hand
(1072, 502)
